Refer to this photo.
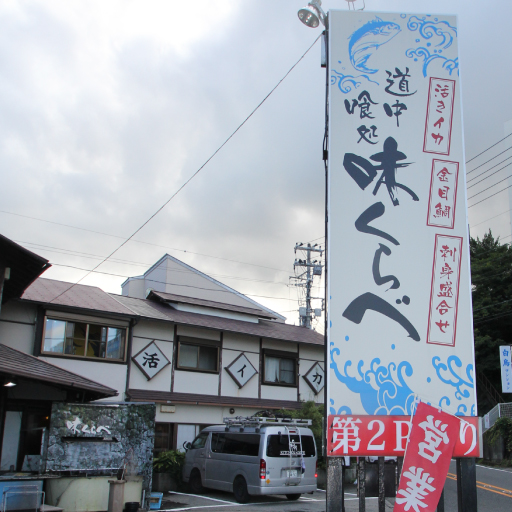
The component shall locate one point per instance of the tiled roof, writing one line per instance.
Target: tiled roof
(263, 329)
(18, 364)
(46, 292)
(181, 299)
(59, 293)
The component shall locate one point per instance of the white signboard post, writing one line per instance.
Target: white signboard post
(506, 369)
(399, 311)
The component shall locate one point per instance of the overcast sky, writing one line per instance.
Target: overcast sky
(108, 107)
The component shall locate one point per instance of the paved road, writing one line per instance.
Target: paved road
(494, 495)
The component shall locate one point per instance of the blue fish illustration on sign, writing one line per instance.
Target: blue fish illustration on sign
(368, 39)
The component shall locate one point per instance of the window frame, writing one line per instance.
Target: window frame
(198, 343)
(294, 356)
(88, 322)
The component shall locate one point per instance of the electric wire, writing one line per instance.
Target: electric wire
(490, 159)
(492, 174)
(490, 147)
(198, 170)
(499, 214)
(156, 281)
(146, 243)
(127, 262)
(492, 195)
(488, 188)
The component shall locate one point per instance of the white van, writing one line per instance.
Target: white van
(253, 456)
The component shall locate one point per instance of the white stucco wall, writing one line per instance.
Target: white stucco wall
(162, 380)
(196, 382)
(306, 393)
(279, 393)
(202, 414)
(108, 374)
(229, 387)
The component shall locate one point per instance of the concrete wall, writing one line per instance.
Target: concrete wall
(88, 494)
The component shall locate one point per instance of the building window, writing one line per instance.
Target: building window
(83, 339)
(280, 370)
(204, 358)
(164, 437)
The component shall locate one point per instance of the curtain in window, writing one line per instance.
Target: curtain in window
(287, 373)
(271, 369)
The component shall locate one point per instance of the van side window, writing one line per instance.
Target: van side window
(200, 440)
(277, 446)
(236, 443)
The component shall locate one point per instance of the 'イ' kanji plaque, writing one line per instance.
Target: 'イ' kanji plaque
(241, 370)
(399, 300)
(150, 360)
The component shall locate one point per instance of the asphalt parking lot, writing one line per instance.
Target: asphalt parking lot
(217, 501)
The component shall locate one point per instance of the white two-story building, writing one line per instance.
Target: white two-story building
(177, 337)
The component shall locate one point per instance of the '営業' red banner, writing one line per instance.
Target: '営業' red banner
(427, 459)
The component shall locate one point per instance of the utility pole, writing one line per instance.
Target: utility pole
(305, 280)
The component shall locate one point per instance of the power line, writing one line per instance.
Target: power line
(492, 195)
(146, 243)
(499, 214)
(487, 177)
(490, 147)
(155, 281)
(497, 183)
(78, 254)
(496, 156)
(199, 170)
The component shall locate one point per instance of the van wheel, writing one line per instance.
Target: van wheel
(196, 486)
(293, 497)
(240, 490)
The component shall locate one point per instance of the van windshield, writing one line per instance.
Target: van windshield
(278, 446)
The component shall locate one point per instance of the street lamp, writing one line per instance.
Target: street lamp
(312, 14)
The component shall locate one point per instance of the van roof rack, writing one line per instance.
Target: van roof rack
(252, 421)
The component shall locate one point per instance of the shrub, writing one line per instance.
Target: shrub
(503, 428)
(170, 462)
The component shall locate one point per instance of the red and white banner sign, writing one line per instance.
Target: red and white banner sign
(387, 436)
(427, 459)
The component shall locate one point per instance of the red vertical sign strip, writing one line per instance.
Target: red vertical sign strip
(427, 460)
(438, 125)
(444, 294)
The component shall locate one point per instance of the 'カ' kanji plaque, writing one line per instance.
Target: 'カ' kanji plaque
(241, 370)
(315, 378)
(399, 312)
(150, 360)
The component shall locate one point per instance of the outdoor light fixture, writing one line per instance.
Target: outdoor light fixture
(312, 14)
(9, 384)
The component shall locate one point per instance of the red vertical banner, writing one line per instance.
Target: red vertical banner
(427, 460)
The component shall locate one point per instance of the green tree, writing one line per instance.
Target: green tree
(491, 278)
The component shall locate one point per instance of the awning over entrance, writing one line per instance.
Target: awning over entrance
(16, 364)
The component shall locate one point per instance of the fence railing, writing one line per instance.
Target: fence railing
(503, 410)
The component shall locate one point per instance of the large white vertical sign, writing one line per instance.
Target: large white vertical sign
(400, 319)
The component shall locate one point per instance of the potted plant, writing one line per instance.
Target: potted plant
(167, 468)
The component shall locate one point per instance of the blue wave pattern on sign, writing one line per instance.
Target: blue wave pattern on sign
(368, 39)
(448, 374)
(348, 82)
(344, 409)
(427, 28)
(379, 390)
